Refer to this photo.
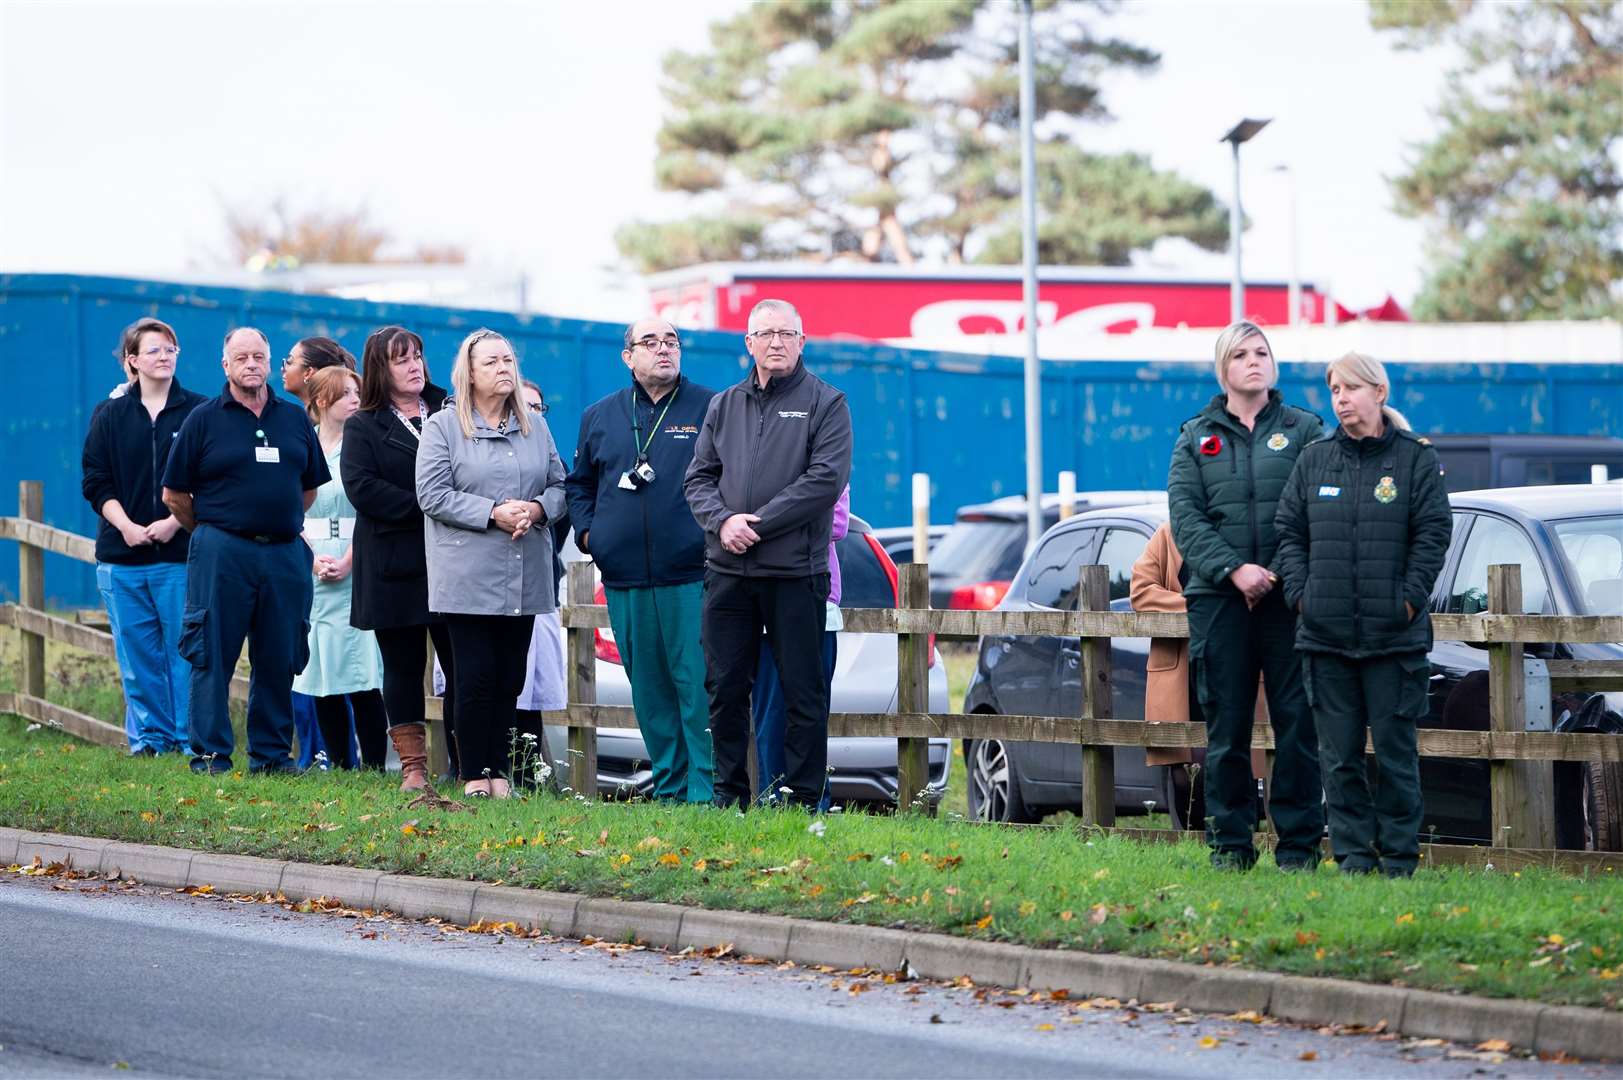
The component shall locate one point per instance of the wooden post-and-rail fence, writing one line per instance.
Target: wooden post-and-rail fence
(1521, 760)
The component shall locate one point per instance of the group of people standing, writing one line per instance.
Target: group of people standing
(1306, 563)
(340, 531)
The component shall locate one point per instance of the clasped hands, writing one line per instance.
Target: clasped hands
(736, 534)
(515, 516)
(1253, 581)
(159, 532)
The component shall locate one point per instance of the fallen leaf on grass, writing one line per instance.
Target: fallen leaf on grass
(670, 858)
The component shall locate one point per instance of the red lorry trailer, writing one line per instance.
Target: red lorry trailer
(879, 302)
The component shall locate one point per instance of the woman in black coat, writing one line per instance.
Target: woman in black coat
(379, 469)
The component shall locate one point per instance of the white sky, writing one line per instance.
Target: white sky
(525, 131)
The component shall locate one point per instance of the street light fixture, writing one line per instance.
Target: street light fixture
(1241, 132)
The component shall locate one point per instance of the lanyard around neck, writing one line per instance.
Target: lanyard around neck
(636, 430)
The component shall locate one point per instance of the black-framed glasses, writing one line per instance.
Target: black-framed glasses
(766, 337)
(538, 407)
(652, 343)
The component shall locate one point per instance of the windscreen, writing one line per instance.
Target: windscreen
(978, 551)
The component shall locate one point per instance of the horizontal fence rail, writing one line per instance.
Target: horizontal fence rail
(1521, 786)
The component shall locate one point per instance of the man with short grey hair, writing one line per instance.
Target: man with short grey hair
(244, 468)
(772, 458)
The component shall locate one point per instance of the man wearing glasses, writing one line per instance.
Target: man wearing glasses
(772, 458)
(629, 513)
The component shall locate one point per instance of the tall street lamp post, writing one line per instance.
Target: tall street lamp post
(1241, 132)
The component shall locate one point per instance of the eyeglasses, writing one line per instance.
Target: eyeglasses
(160, 350)
(766, 337)
(652, 343)
(289, 363)
(537, 407)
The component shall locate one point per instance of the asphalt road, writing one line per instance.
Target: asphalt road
(98, 976)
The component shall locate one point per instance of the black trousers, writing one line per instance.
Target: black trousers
(371, 727)
(1229, 647)
(405, 658)
(489, 652)
(791, 611)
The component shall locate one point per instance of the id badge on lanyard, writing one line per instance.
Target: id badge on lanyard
(265, 453)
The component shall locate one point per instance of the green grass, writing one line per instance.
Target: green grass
(1536, 934)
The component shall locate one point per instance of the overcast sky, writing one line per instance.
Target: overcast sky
(525, 131)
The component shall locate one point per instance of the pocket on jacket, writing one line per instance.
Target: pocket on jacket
(1164, 653)
(400, 556)
(194, 637)
(1414, 690)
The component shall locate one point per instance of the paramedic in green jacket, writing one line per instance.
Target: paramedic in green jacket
(1230, 463)
(1363, 527)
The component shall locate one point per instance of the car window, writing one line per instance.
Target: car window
(1492, 542)
(863, 580)
(1594, 550)
(1569, 470)
(977, 551)
(1466, 470)
(1056, 568)
(1120, 551)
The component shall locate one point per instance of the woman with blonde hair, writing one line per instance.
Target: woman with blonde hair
(488, 479)
(345, 671)
(1229, 465)
(1363, 526)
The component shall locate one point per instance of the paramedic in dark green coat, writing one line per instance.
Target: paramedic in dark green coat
(1363, 527)
(1230, 463)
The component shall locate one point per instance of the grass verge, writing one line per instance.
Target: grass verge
(1534, 934)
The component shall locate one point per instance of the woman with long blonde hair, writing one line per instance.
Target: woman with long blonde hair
(488, 479)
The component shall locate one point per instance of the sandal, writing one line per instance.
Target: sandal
(476, 789)
(500, 788)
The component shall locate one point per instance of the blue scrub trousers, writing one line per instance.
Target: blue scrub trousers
(144, 605)
(236, 589)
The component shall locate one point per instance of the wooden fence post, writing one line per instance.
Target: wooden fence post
(440, 735)
(1098, 762)
(582, 687)
(1522, 793)
(31, 586)
(913, 692)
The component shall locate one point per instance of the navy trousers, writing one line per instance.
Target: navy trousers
(237, 589)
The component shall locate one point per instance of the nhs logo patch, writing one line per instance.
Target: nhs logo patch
(1327, 491)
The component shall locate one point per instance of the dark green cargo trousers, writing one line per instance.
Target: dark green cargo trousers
(1230, 646)
(1386, 696)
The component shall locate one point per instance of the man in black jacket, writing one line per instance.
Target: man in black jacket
(626, 502)
(772, 458)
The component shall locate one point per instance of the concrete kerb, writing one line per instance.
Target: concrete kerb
(426, 898)
(533, 909)
(235, 873)
(765, 936)
(1592, 1034)
(658, 925)
(148, 863)
(354, 888)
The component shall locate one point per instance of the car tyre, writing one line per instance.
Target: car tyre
(1603, 806)
(994, 784)
(1183, 790)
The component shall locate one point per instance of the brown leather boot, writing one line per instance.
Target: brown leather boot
(411, 743)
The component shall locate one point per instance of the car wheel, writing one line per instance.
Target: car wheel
(1184, 792)
(994, 786)
(1603, 806)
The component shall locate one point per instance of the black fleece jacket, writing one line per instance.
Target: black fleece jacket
(124, 456)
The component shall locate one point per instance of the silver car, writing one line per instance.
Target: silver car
(863, 770)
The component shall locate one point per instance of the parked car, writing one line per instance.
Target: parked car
(1476, 462)
(975, 561)
(1568, 541)
(864, 769)
(898, 541)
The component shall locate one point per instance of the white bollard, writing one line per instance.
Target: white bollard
(1067, 494)
(921, 517)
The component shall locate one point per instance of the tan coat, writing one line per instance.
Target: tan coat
(1166, 686)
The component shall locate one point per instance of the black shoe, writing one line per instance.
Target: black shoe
(285, 766)
(211, 766)
(1298, 866)
(1360, 868)
(1397, 870)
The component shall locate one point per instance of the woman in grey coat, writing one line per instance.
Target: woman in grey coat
(488, 480)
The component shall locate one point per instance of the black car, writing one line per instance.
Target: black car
(1568, 541)
(975, 561)
(1473, 462)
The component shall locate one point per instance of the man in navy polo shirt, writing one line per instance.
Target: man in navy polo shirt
(244, 469)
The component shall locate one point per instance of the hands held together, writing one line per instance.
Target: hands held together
(1253, 581)
(159, 532)
(736, 534)
(514, 517)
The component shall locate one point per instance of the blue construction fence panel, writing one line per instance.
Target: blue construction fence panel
(955, 416)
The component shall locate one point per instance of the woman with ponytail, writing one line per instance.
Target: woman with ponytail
(1363, 526)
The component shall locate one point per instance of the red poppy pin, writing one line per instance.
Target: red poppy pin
(1211, 445)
